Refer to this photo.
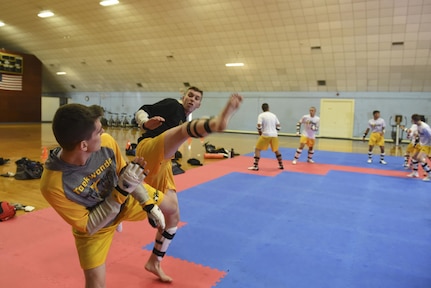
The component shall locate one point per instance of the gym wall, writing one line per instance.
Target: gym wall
(24, 105)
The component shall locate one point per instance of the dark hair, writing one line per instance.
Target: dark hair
(416, 117)
(265, 107)
(74, 123)
(195, 89)
(376, 111)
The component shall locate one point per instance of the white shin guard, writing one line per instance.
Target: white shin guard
(164, 242)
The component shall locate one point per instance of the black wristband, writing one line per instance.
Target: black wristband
(122, 192)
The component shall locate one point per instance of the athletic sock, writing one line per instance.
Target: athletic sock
(415, 165)
(406, 160)
(298, 153)
(426, 168)
(256, 161)
(310, 155)
(279, 159)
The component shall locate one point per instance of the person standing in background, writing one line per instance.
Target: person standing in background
(414, 146)
(308, 137)
(268, 126)
(421, 156)
(377, 126)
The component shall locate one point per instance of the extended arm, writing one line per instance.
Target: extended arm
(146, 123)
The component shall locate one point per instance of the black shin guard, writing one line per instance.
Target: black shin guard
(195, 133)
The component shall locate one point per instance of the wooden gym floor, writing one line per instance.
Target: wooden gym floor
(35, 140)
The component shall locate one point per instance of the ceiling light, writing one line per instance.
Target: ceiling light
(2, 24)
(61, 73)
(45, 14)
(109, 2)
(234, 64)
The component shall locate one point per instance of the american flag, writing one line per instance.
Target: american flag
(11, 82)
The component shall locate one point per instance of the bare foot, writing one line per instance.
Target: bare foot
(231, 107)
(154, 267)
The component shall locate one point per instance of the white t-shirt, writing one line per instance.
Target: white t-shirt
(424, 131)
(413, 131)
(311, 125)
(377, 125)
(269, 122)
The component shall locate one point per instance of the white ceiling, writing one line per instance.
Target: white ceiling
(162, 44)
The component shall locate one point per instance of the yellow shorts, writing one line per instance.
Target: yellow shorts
(376, 139)
(307, 141)
(413, 149)
(93, 249)
(264, 141)
(426, 150)
(160, 175)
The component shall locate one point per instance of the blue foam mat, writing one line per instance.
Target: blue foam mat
(299, 230)
(340, 158)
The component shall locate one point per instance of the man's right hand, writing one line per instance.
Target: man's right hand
(153, 123)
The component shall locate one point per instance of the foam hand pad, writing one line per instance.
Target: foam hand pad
(155, 216)
(131, 176)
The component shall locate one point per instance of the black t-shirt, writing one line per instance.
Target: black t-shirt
(170, 109)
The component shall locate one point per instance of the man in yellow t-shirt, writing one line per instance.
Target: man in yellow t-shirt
(89, 184)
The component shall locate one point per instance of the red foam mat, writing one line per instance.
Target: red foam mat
(267, 167)
(38, 250)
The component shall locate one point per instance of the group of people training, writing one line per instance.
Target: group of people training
(90, 185)
(418, 150)
(268, 126)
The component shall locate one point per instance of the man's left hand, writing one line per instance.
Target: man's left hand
(155, 216)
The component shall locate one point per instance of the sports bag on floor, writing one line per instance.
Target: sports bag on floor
(7, 211)
(28, 169)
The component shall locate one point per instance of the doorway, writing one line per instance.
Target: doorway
(336, 118)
